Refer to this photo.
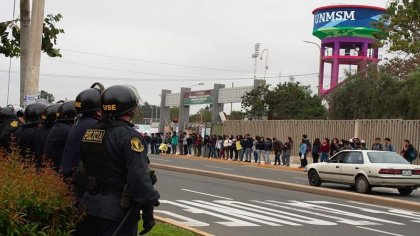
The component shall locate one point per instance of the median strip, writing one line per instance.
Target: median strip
(296, 187)
(183, 226)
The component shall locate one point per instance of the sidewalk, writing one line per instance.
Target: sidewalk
(292, 167)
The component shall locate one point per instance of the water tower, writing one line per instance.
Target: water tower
(347, 41)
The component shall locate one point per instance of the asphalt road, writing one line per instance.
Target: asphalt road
(267, 173)
(223, 207)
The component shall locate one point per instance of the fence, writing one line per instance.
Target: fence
(368, 130)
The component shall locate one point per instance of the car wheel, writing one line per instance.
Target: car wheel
(405, 191)
(362, 185)
(313, 178)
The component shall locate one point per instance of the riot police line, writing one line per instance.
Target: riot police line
(92, 143)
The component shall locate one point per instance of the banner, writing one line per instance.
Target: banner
(198, 97)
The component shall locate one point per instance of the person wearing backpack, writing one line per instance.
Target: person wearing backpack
(409, 152)
(308, 144)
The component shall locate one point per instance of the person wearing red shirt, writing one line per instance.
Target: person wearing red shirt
(325, 150)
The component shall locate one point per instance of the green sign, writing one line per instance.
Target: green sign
(198, 97)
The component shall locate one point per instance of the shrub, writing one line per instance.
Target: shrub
(34, 201)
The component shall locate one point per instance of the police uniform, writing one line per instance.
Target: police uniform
(8, 126)
(87, 103)
(47, 120)
(115, 164)
(56, 139)
(25, 134)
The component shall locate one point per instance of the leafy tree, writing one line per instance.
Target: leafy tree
(174, 113)
(203, 115)
(149, 111)
(48, 96)
(10, 45)
(289, 100)
(409, 105)
(254, 102)
(138, 116)
(236, 115)
(400, 26)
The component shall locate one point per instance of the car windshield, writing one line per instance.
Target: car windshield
(386, 157)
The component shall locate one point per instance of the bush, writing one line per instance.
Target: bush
(34, 201)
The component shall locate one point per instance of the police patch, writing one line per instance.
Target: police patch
(14, 124)
(136, 145)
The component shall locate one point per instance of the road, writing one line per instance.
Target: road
(267, 173)
(223, 207)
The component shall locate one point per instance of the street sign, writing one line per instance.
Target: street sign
(198, 97)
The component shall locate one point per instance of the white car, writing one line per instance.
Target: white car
(364, 169)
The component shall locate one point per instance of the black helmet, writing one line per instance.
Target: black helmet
(118, 100)
(33, 112)
(89, 99)
(7, 112)
(49, 115)
(66, 112)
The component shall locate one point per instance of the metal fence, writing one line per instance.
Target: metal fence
(368, 130)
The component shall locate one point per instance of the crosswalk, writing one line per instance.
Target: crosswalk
(273, 213)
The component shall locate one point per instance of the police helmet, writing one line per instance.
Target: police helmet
(66, 111)
(33, 112)
(89, 99)
(7, 112)
(118, 100)
(49, 115)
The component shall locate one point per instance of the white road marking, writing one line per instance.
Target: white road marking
(207, 194)
(276, 213)
(301, 178)
(217, 167)
(231, 221)
(186, 220)
(379, 231)
(159, 159)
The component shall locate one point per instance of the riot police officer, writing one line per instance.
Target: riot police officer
(88, 108)
(56, 139)
(47, 121)
(115, 162)
(9, 123)
(25, 134)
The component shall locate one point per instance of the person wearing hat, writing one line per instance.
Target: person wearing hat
(115, 164)
(25, 134)
(9, 123)
(56, 139)
(47, 121)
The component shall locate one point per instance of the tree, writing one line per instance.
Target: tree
(10, 37)
(48, 96)
(203, 115)
(400, 26)
(236, 115)
(254, 102)
(289, 100)
(174, 113)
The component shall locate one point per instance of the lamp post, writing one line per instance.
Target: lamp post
(320, 65)
(266, 59)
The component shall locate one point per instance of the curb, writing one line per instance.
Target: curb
(297, 187)
(234, 162)
(180, 225)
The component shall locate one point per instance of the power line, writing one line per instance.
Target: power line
(156, 62)
(148, 79)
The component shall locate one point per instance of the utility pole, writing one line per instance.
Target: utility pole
(24, 34)
(34, 49)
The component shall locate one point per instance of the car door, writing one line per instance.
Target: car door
(351, 165)
(331, 170)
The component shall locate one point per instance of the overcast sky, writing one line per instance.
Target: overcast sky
(114, 42)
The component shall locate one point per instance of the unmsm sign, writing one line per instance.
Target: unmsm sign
(346, 21)
(198, 97)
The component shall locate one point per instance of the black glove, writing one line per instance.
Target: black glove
(148, 219)
(153, 176)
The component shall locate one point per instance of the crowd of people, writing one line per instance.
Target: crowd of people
(260, 149)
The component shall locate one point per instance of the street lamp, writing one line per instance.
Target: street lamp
(320, 65)
(266, 59)
(255, 55)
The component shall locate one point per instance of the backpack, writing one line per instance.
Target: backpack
(413, 154)
(308, 145)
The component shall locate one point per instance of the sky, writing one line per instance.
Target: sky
(169, 44)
